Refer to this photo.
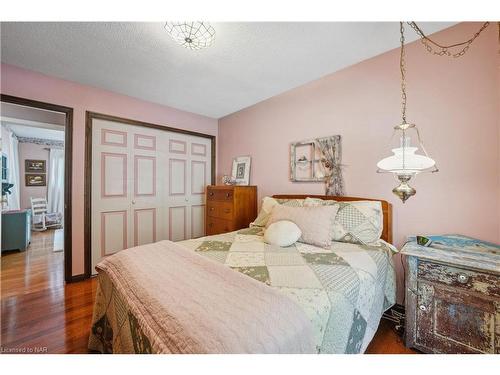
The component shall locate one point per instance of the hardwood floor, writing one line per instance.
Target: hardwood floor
(41, 314)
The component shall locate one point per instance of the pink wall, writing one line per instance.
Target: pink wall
(453, 101)
(36, 152)
(28, 84)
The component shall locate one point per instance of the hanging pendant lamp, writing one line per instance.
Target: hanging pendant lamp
(406, 163)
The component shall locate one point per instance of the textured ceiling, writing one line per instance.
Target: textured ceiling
(248, 63)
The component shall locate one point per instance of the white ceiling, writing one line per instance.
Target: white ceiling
(33, 132)
(248, 63)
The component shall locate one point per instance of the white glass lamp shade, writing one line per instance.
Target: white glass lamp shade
(192, 35)
(412, 164)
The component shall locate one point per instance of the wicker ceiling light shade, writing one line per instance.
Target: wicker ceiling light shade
(192, 35)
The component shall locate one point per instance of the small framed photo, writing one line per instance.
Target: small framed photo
(241, 170)
(36, 179)
(34, 166)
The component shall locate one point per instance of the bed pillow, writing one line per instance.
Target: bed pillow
(315, 223)
(356, 221)
(267, 205)
(282, 233)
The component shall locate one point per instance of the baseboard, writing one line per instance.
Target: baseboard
(77, 278)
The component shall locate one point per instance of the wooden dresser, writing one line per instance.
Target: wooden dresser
(453, 298)
(229, 208)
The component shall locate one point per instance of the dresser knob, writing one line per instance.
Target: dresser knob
(211, 208)
(211, 193)
(462, 278)
(422, 307)
(228, 195)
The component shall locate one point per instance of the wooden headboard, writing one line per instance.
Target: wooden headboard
(386, 209)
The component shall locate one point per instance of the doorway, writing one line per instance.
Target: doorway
(36, 193)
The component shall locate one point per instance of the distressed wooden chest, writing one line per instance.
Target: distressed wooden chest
(452, 296)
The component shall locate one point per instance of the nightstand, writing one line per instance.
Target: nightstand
(453, 295)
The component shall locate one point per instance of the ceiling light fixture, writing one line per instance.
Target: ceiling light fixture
(405, 163)
(192, 35)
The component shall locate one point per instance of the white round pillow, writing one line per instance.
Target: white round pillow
(282, 233)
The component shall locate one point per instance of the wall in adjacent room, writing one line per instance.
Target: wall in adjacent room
(32, 85)
(33, 152)
(453, 101)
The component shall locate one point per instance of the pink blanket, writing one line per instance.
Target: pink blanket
(185, 303)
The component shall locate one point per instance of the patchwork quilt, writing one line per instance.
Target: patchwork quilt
(343, 289)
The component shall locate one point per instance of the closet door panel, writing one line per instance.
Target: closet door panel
(114, 235)
(113, 174)
(144, 226)
(177, 223)
(197, 221)
(144, 142)
(144, 175)
(198, 176)
(178, 175)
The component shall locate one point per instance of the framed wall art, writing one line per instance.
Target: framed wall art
(240, 171)
(34, 166)
(318, 160)
(35, 179)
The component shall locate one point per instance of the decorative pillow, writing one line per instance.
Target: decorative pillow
(356, 221)
(315, 223)
(282, 233)
(267, 205)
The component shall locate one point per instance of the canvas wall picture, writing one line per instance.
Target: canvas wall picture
(35, 166)
(36, 179)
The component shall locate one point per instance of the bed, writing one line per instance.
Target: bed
(234, 293)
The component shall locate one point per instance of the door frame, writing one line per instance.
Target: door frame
(68, 172)
(89, 117)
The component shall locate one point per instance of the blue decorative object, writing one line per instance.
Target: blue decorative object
(460, 242)
(6, 188)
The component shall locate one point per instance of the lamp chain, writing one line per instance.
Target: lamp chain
(443, 50)
(402, 68)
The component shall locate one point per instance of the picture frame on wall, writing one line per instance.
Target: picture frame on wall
(240, 171)
(34, 166)
(35, 179)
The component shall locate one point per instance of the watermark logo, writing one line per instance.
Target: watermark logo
(24, 350)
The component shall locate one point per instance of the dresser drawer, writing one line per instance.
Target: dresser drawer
(469, 280)
(222, 210)
(224, 195)
(217, 226)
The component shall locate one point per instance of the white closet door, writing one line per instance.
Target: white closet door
(147, 185)
(111, 175)
(147, 194)
(189, 171)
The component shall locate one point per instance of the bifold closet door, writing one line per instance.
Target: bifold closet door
(189, 172)
(147, 185)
